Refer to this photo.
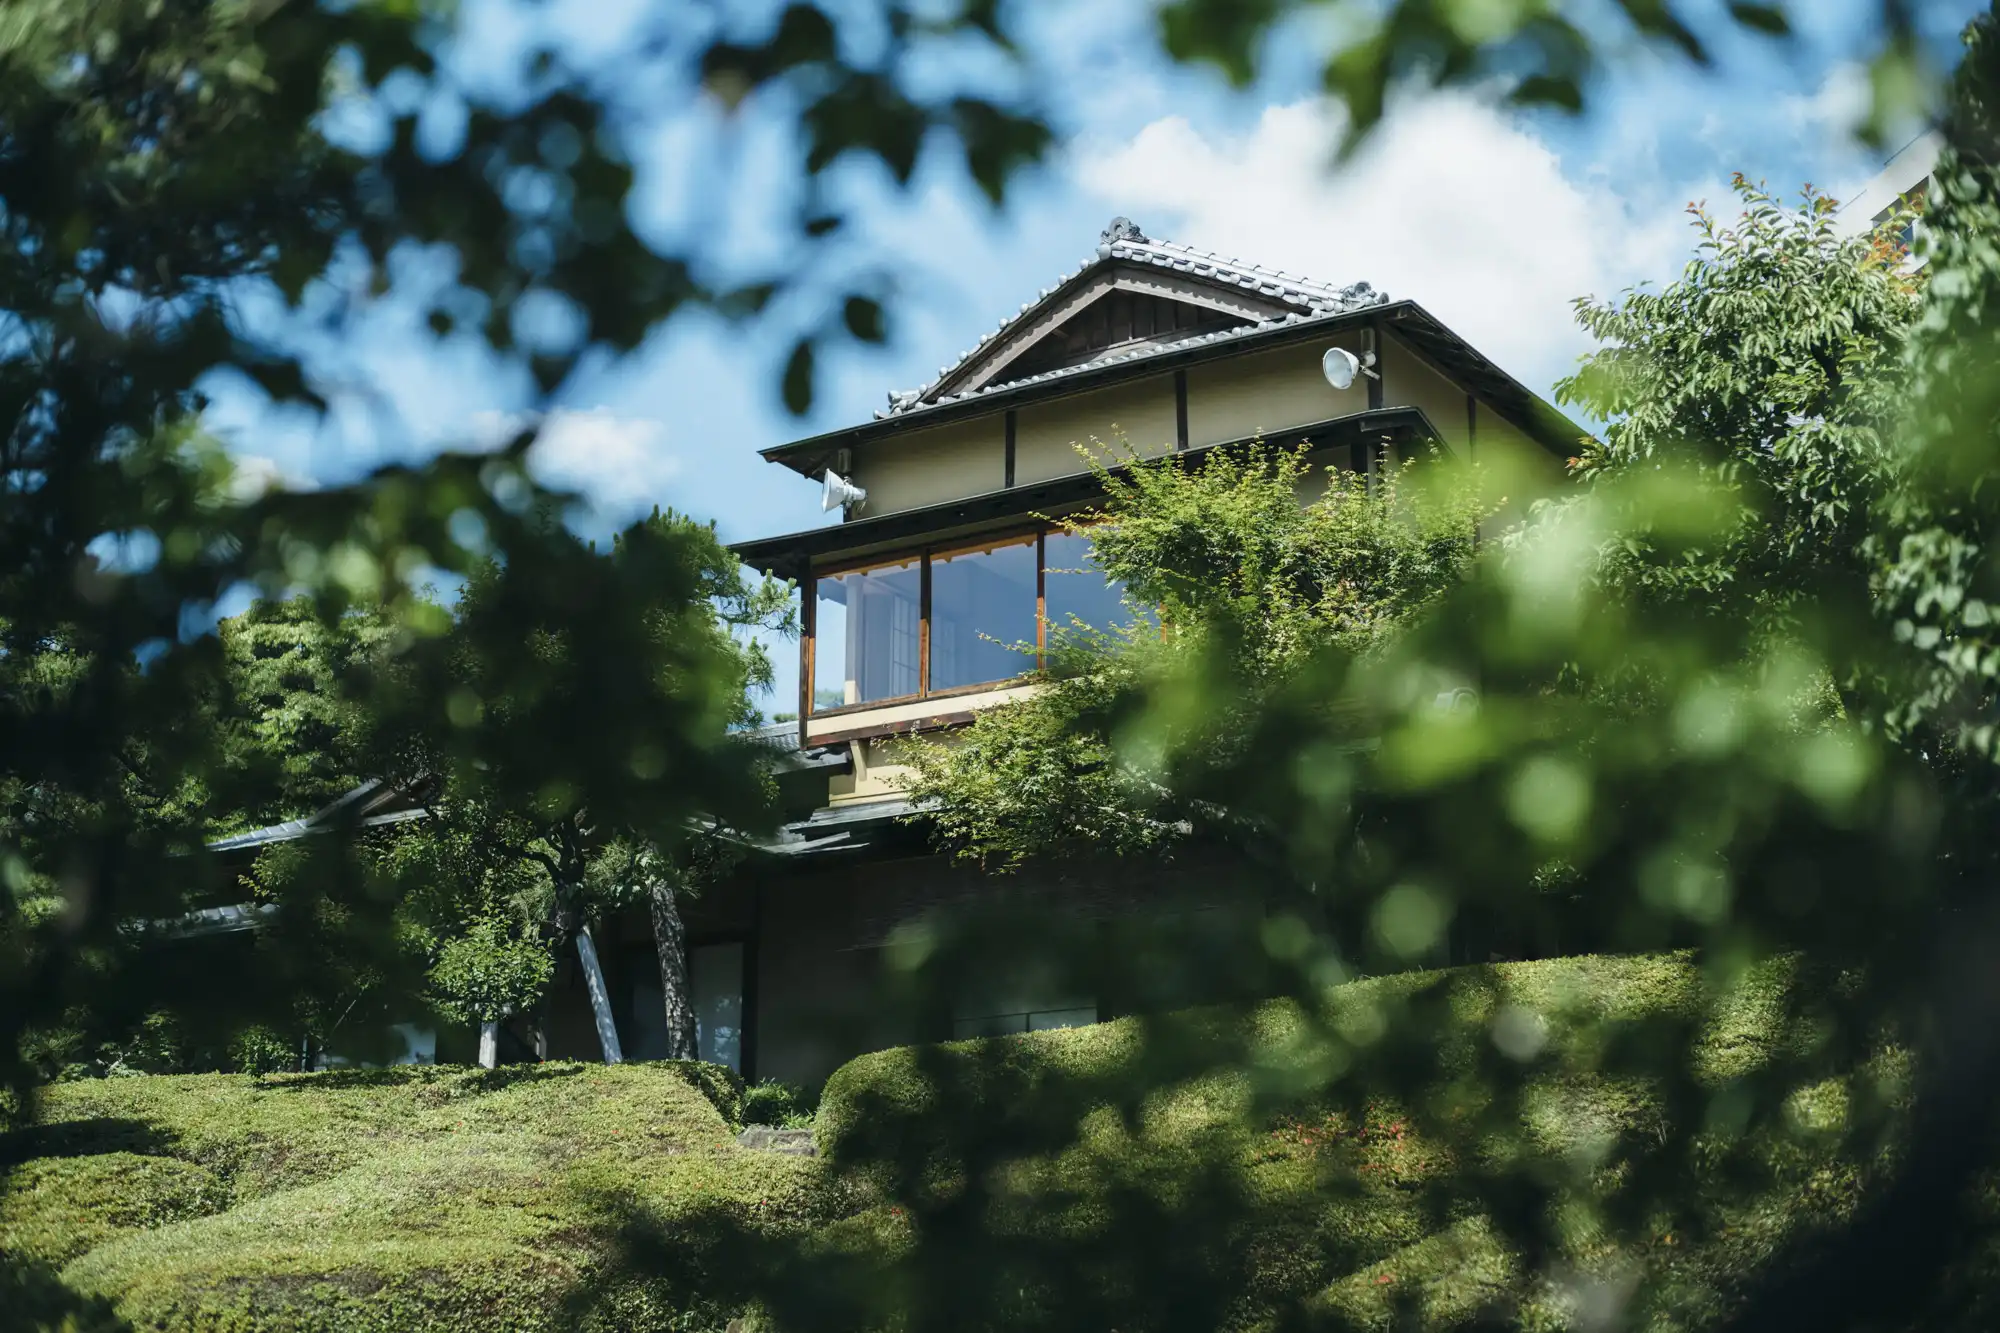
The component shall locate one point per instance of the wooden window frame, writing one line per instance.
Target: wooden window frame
(1037, 537)
(809, 645)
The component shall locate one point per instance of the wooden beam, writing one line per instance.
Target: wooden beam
(924, 627)
(1180, 411)
(1377, 386)
(1374, 343)
(1012, 425)
(808, 639)
(908, 727)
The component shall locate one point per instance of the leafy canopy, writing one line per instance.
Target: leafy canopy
(1247, 581)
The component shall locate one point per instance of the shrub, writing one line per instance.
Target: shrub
(1350, 1197)
(775, 1102)
(262, 1050)
(593, 1197)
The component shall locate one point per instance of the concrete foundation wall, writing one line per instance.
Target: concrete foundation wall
(829, 943)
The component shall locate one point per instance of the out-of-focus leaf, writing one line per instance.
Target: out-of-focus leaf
(798, 386)
(1763, 18)
(863, 317)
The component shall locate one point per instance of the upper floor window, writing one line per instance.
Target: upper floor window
(984, 606)
(953, 618)
(867, 635)
(1078, 590)
(1913, 200)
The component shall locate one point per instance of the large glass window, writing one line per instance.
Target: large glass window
(986, 606)
(865, 632)
(1077, 588)
(982, 612)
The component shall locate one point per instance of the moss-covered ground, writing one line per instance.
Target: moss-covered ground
(402, 1199)
(422, 1199)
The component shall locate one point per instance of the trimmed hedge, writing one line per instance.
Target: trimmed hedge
(1365, 1255)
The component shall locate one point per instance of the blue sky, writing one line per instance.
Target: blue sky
(1494, 219)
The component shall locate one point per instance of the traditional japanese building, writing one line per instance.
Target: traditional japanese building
(944, 560)
(928, 602)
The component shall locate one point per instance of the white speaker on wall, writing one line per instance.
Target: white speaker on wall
(840, 493)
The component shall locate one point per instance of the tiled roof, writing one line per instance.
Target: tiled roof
(1124, 242)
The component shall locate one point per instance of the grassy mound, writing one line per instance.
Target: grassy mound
(402, 1199)
(579, 1196)
(1349, 1213)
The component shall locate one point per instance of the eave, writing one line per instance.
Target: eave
(1528, 411)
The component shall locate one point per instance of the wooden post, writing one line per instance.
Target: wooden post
(808, 646)
(1041, 598)
(924, 625)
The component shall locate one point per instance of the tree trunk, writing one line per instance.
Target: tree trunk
(489, 1044)
(600, 997)
(670, 940)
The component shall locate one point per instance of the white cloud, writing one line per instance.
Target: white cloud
(1454, 203)
(622, 465)
(1840, 103)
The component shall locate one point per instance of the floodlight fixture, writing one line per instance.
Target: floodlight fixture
(839, 492)
(1341, 366)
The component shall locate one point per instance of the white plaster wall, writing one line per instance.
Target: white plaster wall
(1410, 381)
(1141, 414)
(927, 467)
(1266, 392)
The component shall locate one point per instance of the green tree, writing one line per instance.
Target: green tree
(488, 974)
(503, 862)
(1247, 579)
(1767, 380)
(160, 162)
(157, 156)
(294, 717)
(1789, 491)
(671, 604)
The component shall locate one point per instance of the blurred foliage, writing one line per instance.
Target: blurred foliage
(507, 862)
(161, 161)
(1233, 1196)
(1724, 699)
(1249, 582)
(164, 167)
(1544, 53)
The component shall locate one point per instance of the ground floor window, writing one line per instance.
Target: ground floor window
(715, 974)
